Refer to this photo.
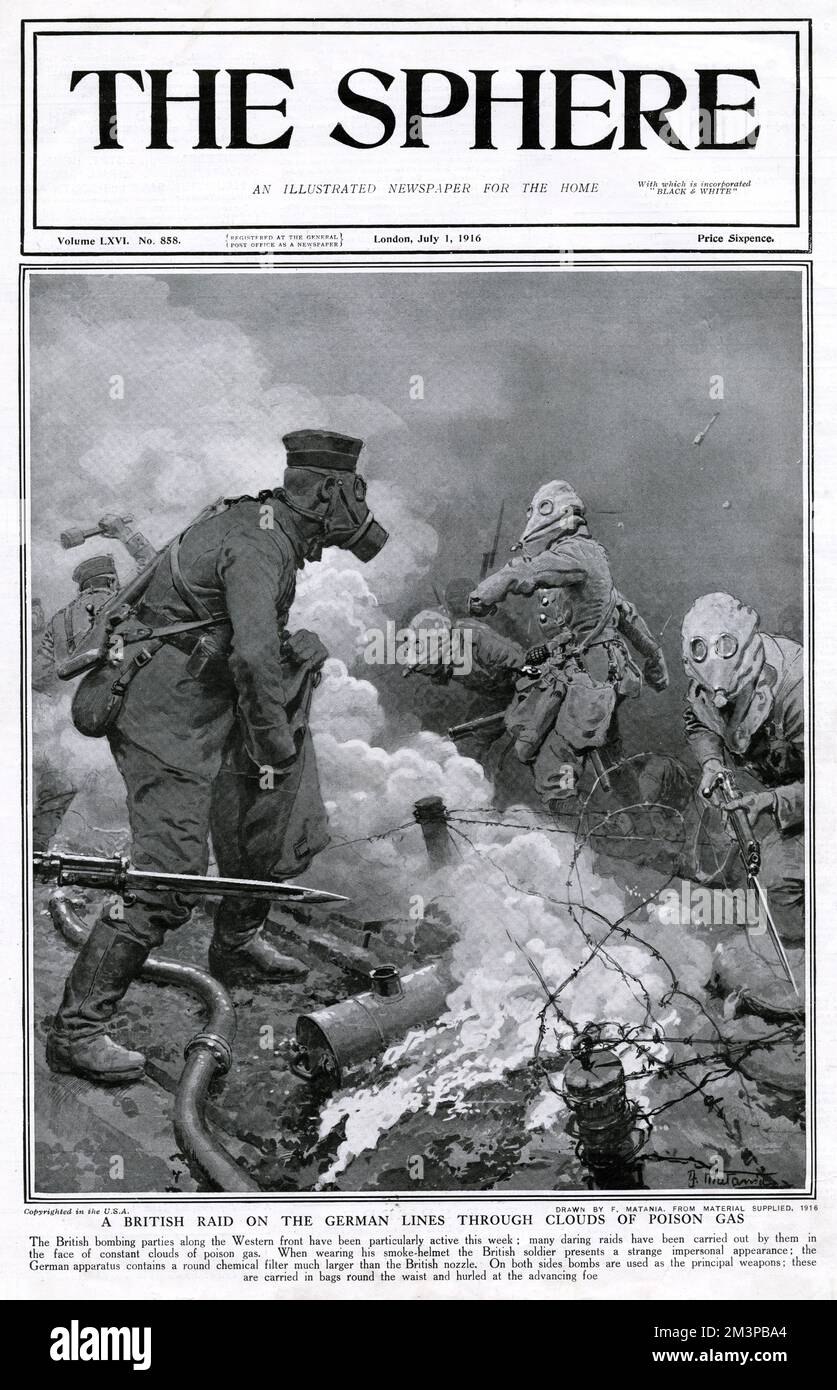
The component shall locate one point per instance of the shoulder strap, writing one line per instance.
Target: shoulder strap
(69, 628)
(184, 590)
(600, 627)
(793, 674)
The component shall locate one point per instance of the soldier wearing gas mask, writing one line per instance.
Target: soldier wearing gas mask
(212, 735)
(568, 709)
(745, 708)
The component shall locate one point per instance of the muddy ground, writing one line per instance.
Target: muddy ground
(422, 1119)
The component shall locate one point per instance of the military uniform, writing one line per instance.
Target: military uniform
(495, 660)
(570, 708)
(764, 735)
(214, 750)
(212, 732)
(96, 578)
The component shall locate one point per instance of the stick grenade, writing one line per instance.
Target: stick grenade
(77, 535)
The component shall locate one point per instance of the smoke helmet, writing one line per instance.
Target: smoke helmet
(722, 647)
(556, 510)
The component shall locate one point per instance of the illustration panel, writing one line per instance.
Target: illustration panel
(417, 672)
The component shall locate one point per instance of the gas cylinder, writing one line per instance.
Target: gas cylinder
(335, 1040)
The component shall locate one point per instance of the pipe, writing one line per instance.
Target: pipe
(207, 1053)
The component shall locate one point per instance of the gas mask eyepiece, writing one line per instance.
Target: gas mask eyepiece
(722, 649)
(556, 511)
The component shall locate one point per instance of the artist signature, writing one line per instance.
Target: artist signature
(709, 1177)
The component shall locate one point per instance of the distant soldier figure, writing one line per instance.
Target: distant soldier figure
(745, 707)
(466, 650)
(97, 581)
(212, 733)
(585, 670)
(53, 642)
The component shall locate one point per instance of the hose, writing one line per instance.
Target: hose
(207, 1053)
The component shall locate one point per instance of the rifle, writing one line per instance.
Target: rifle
(118, 874)
(117, 609)
(488, 723)
(490, 556)
(723, 788)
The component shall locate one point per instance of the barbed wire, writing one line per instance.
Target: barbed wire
(721, 1064)
(726, 1054)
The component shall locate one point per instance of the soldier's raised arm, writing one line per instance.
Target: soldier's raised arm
(118, 528)
(139, 547)
(549, 570)
(633, 626)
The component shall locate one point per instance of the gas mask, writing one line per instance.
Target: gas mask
(337, 502)
(321, 484)
(556, 511)
(722, 649)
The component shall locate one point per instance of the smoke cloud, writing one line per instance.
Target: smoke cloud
(155, 395)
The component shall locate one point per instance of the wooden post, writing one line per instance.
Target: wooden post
(431, 814)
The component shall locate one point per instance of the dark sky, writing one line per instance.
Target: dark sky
(600, 377)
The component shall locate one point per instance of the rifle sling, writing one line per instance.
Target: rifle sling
(184, 590)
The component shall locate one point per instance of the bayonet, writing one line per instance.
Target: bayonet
(115, 872)
(724, 788)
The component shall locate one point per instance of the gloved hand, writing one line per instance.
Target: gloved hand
(479, 608)
(114, 527)
(305, 648)
(656, 672)
(708, 773)
(754, 803)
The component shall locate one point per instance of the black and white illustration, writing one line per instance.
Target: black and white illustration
(418, 730)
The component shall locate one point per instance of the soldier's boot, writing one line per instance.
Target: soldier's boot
(256, 957)
(78, 1042)
(240, 948)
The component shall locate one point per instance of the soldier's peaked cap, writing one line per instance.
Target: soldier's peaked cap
(97, 567)
(322, 449)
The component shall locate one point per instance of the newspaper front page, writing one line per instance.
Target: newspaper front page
(414, 632)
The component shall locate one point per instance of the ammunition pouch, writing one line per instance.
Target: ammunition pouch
(533, 712)
(577, 690)
(588, 711)
(208, 661)
(207, 650)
